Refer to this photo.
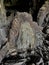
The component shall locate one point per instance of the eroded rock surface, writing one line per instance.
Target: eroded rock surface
(23, 31)
(24, 34)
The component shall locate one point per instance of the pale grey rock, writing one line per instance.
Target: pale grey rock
(24, 32)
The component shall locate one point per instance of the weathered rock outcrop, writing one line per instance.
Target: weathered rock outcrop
(23, 34)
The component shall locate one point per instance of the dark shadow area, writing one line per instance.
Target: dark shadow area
(25, 5)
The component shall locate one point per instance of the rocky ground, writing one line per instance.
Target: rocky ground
(22, 40)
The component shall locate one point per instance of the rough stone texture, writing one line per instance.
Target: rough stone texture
(43, 13)
(3, 38)
(4, 31)
(4, 23)
(23, 32)
(16, 31)
(3, 52)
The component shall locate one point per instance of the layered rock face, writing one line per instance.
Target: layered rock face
(23, 31)
(23, 34)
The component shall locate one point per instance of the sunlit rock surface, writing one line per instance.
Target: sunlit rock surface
(24, 32)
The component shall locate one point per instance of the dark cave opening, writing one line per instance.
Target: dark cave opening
(25, 5)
